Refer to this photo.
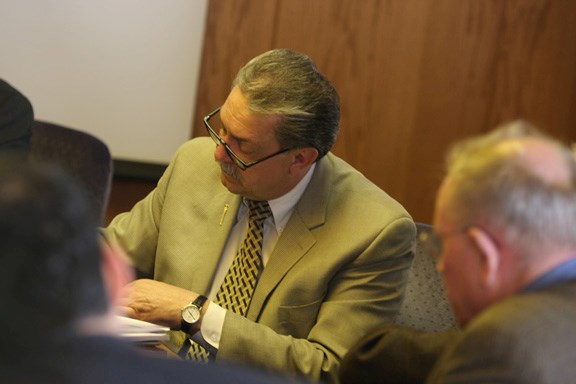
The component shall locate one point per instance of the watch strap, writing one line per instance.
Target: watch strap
(199, 302)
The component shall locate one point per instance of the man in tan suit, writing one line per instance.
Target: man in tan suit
(335, 253)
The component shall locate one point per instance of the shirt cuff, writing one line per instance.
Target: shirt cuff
(212, 324)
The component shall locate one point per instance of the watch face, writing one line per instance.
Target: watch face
(191, 314)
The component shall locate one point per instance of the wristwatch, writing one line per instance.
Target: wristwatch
(191, 313)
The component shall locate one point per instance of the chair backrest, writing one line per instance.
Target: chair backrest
(82, 155)
(425, 306)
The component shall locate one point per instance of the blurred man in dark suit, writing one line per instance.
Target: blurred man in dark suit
(58, 283)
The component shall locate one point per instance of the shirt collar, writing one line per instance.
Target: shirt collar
(282, 206)
(559, 274)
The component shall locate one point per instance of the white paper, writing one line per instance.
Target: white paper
(141, 331)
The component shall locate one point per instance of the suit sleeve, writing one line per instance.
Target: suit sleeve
(137, 231)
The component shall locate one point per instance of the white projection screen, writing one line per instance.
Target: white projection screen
(123, 70)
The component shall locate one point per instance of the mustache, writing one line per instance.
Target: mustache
(231, 170)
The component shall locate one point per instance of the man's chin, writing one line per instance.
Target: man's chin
(230, 183)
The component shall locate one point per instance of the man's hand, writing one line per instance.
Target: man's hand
(156, 302)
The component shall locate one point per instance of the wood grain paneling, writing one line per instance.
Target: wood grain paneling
(236, 31)
(413, 75)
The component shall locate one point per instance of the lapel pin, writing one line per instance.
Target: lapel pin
(224, 213)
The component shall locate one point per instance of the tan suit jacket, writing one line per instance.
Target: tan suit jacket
(338, 270)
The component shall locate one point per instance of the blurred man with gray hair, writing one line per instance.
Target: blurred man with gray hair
(505, 222)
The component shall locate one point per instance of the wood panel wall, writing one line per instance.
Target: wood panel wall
(413, 75)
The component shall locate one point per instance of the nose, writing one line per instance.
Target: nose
(220, 154)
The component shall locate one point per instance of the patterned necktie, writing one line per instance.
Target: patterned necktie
(236, 291)
(239, 283)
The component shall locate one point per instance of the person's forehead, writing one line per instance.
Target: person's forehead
(236, 103)
(236, 113)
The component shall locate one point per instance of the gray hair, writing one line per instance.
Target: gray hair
(492, 187)
(287, 84)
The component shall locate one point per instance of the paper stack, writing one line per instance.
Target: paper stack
(142, 332)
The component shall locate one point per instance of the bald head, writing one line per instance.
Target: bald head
(539, 157)
(518, 181)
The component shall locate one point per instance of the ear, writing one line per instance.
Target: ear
(304, 158)
(489, 253)
(117, 271)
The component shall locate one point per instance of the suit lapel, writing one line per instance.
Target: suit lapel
(224, 206)
(297, 238)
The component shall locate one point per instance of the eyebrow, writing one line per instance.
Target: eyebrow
(241, 140)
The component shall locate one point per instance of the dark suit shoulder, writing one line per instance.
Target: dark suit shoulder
(16, 118)
(513, 340)
(529, 311)
(97, 360)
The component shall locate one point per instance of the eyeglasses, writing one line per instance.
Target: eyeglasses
(431, 242)
(243, 165)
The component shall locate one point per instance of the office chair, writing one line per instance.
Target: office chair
(425, 306)
(82, 155)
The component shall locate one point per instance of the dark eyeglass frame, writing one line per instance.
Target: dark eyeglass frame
(432, 241)
(243, 165)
